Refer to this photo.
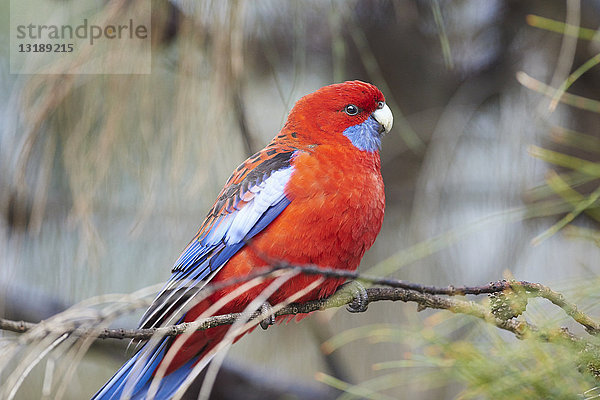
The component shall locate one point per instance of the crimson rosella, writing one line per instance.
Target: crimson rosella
(313, 196)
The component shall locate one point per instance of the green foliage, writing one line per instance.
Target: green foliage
(487, 363)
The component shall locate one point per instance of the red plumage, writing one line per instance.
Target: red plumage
(336, 211)
(336, 207)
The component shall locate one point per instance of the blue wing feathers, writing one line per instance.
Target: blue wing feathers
(114, 389)
(267, 218)
(211, 250)
(233, 221)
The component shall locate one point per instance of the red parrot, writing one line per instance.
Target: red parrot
(314, 195)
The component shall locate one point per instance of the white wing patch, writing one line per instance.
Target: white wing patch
(268, 193)
(218, 232)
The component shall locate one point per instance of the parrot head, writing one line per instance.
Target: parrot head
(353, 110)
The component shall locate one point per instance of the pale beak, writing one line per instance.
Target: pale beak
(384, 117)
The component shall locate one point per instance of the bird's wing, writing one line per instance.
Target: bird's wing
(252, 198)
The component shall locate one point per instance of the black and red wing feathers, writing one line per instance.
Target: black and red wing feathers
(210, 249)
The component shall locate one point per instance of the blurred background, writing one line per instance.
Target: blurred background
(489, 174)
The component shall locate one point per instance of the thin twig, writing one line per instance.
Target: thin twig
(397, 290)
(424, 300)
(591, 326)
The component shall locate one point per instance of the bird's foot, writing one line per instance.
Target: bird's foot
(266, 309)
(360, 303)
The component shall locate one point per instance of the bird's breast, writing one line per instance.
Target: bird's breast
(337, 207)
(335, 214)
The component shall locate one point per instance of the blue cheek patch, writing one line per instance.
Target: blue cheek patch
(365, 136)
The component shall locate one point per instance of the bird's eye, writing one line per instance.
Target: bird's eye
(380, 105)
(351, 109)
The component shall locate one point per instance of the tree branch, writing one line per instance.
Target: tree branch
(508, 300)
(424, 300)
(424, 296)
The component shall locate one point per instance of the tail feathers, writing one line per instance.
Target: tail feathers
(140, 369)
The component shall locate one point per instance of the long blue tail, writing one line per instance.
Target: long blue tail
(140, 369)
